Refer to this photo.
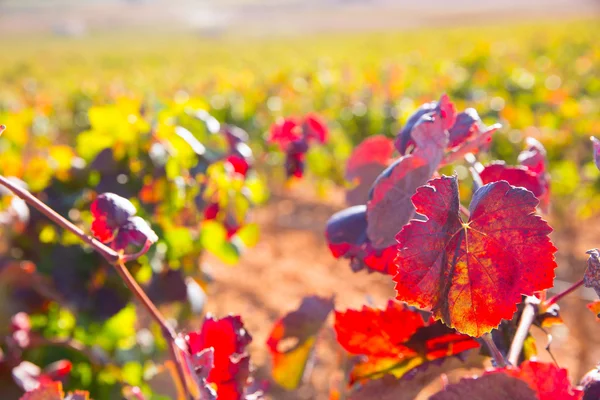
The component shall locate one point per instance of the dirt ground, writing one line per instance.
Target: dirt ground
(292, 261)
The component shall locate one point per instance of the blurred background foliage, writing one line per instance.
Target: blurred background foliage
(67, 100)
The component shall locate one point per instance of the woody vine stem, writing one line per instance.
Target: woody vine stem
(117, 260)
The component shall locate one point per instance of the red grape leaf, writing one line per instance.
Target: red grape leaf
(596, 144)
(547, 380)
(315, 128)
(395, 340)
(346, 233)
(365, 164)
(595, 308)
(472, 145)
(112, 209)
(292, 340)
(284, 132)
(229, 339)
(544, 381)
(465, 126)
(488, 387)
(516, 176)
(389, 206)
(443, 108)
(136, 232)
(472, 274)
(591, 278)
(534, 156)
(377, 332)
(197, 367)
(380, 260)
(58, 370)
(239, 164)
(347, 238)
(375, 149)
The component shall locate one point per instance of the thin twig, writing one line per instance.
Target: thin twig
(113, 257)
(495, 352)
(183, 389)
(527, 319)
(562, 294)
(109, 254)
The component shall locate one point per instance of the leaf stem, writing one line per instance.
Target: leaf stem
(527, 317)
(562, 294)
(465, 211)
(115, 258)
(496, 354)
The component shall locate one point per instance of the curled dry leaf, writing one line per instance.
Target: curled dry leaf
(472, 274)
(292, 340)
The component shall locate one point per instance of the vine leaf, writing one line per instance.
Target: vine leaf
(389, 206)
(395, 340)
(516, 176)
(546, 379)
(532, 380)
(366, 162)
(531, 174)
(113, 213)
(292, 340)
(489, 387)
(467, 124)
(229, 339)
(346, 234)
(472, 274)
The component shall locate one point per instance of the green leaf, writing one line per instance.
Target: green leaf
(249, 234)
(213, 238)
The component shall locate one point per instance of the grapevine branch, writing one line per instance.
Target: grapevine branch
(528, 316)
(116, 259)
